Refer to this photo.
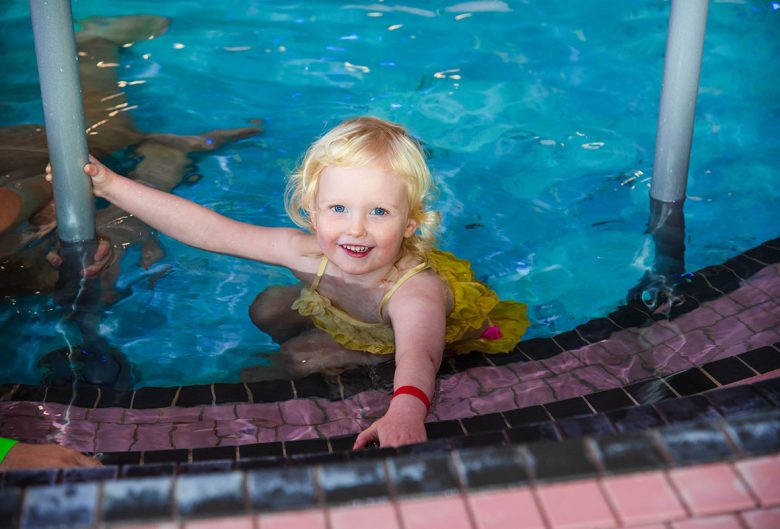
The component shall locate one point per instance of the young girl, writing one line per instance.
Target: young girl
(374, 285)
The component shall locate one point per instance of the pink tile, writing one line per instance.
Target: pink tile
(691, 343)
(526, 371)
(336, 428)
(533, 392)
(292, 520)
(161, 525)
(153, 437)
(297, 432)
(439, 511)
(501, 399)
(762, 519)
(234, 522)
(625, 367)
(760, 339)
(150, 416)
(574, 384)
(178, 414)
(303, 411)
(221, 412)
(112, 415)
(562, 363)
(263, 414)
(505, 508)
(237, 431)
(725, 306)
(711, 489)
(490, 378)
(375, 516)
(658, 333)
(761, 317)
(575, 505)
(192, 435)
(373, 404)
(115, 438)
(702, 317)
(763, 477)
(727, 521)
(643, 498)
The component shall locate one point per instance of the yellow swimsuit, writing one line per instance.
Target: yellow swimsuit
(474, 303)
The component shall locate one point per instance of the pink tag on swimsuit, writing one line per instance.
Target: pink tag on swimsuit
(492, 333)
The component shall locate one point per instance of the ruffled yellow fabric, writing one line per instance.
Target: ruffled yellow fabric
(374, 338)
(474, 304)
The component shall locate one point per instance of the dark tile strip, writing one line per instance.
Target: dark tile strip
(423, 472)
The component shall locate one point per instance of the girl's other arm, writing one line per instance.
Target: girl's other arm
(418, 315)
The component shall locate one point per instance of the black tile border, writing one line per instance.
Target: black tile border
(708, 283)
(432, 468)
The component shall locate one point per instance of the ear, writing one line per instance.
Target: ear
(411, 227)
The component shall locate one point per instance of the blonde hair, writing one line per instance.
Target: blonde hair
(361, 142)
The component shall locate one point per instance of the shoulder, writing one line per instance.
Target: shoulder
(426, 290)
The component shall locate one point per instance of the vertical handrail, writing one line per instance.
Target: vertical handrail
(682, 65)
(55, 49)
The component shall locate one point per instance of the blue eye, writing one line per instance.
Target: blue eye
(338, 208)
(379, 211)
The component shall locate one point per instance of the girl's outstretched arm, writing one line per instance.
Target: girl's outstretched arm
(193, 224)
(418, 315)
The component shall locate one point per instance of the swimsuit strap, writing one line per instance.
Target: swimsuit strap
(320, 272)
(404, 278)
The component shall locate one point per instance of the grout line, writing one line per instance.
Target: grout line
(677, 493)
(746, 365)
(97, 399)
(176, 396)
(746, 484)
(610, 502)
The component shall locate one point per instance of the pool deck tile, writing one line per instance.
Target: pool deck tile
(643, 498)
(506, 508)
(727, 521)
(314, 519)
(763, 477)
(435, 511)
(576, 505)
(233, 522)
(762, 519)
(376, 516)
(711, 489)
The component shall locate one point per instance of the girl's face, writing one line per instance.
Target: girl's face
(361, 219)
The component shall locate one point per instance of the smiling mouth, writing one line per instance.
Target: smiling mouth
(355, 250)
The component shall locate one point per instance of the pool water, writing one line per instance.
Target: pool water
(539, 119)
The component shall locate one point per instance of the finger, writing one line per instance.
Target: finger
(54, 259)
(103, 250)
(48, 172)
(365, 437)
(86, 461)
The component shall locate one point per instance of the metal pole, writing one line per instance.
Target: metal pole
(687, 22)
(55, 49)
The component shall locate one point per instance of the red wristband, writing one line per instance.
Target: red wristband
(414, 392)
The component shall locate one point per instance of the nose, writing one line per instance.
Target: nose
(357, 226)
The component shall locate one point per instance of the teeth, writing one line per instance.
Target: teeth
(353, 248)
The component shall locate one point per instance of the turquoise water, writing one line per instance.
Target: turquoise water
(539, 118)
